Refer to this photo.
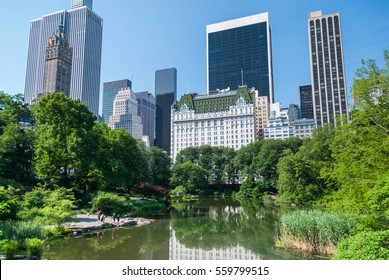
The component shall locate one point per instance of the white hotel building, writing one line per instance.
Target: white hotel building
(224, 118)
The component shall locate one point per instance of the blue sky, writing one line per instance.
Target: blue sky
(141, 36)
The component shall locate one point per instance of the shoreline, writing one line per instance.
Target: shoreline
(86, 223)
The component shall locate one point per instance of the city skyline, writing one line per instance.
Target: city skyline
(176, 38)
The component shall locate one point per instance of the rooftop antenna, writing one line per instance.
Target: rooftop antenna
(188, 87)
(241, 73)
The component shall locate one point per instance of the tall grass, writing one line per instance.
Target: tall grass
(313, 230)
(21, 230)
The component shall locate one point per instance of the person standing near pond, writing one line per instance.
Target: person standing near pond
(99, 215)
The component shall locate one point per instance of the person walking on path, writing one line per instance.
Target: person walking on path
(99, 215)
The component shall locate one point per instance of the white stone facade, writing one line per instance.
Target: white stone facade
(233, 128)
(278, 126)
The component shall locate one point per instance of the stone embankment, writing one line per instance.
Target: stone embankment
(87, 223)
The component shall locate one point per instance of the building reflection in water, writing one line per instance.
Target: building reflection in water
(178, 251)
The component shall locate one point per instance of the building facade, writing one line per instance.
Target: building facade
(84, 29)
(278, 126)
(306, 104)
(110, 90)
(261, 115)
(125, 113)
(239, 52)
(327, 67)
(146, 110)
(293, 112)
(80, 3)
(58, 63)
(304, 128)
(165, 96)
(223, 119)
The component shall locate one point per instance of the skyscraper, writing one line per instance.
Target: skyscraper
(80, 3)
(239, 52)
(58, 63)
(306, 105)
(84, 30)
(110, 90)
(327, 67)
(165, 95)
(125, 113)
(146, 110)
(293, 112)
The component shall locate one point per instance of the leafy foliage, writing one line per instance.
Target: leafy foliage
(218, 161)
(191, 176)
(21, 230)
(159, 165)
(364, 246)
(34, 247)
(149, 190)
(8, 203)
(48, 207)
(110, 203)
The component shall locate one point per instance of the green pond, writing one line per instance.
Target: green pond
(216, 229)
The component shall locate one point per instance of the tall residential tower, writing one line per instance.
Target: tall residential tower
(327, 67)
(84, 30)
(165, 95)
(239, 52)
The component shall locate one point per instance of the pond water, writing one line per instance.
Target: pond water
(217, 229)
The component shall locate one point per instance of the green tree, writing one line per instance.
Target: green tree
(265, 163)
(61, 137)
(120, 160)
(159, 165)
(8, 203)
(360, 149)
(12, 109)
(371, 91)
(16, 153)
(191, 176)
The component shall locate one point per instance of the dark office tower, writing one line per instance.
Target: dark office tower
(293, 112)
(306, 105)
(58, 63)
(239, 52)
(84, 30)
(165, 95)
(110, 90)
(146, 110)
(327, 68)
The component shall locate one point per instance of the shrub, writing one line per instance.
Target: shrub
(364, 246)
(110, 203)
(9, 247)
(178, 191)
(21, 230)
(148, 206)
(149, 190)
(315, 230)
(59, 231)
(34, 247)
(48, 207)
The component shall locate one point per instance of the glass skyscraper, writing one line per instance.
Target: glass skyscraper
(327, 67)
(239, 53)
(165, 95)
(110, 90)
(306, 105)
(146, 110)
(84, 30)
